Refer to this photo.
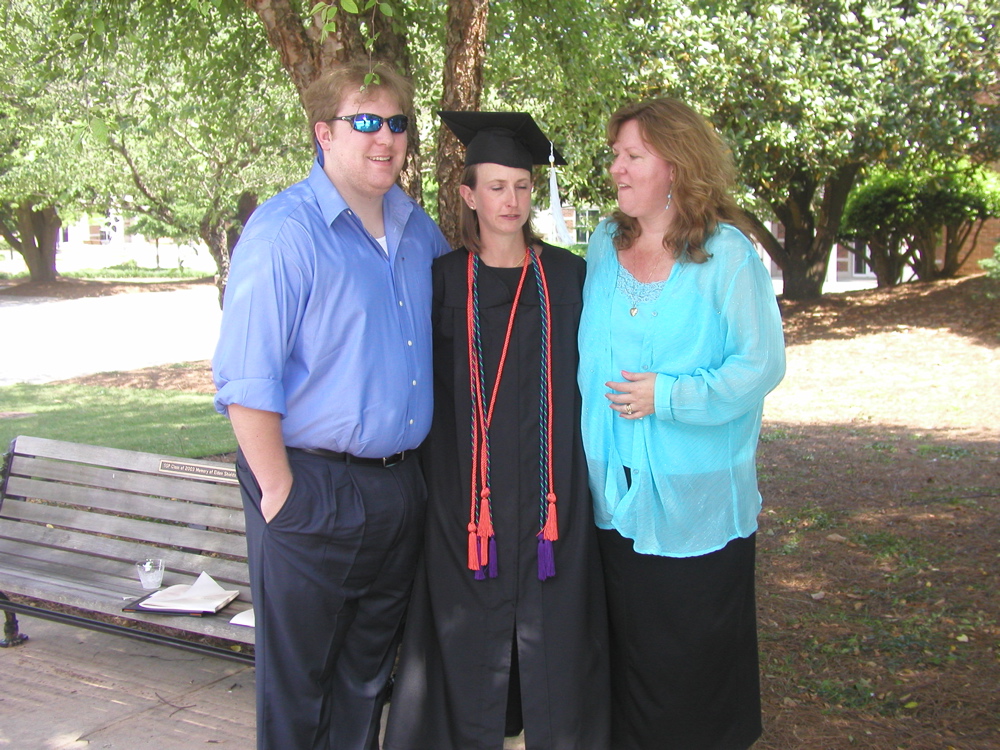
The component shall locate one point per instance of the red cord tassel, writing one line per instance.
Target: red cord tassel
(473, 548)
(550, 532)
(485, 517)
(485, 530)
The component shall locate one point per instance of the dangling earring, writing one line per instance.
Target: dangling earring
(670, 199)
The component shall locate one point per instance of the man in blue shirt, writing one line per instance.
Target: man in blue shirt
(324, 369)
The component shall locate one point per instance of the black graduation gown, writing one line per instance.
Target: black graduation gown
(452, 683)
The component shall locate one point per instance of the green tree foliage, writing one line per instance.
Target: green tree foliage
(192, 138)
(810, 92)
(992, 265)
(924, 219)
(45, 171)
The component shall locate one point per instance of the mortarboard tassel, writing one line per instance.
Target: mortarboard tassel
(555, 204)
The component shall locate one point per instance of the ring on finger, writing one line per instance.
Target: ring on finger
(628, 408)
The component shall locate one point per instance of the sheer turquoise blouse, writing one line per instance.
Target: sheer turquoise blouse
(713, 336)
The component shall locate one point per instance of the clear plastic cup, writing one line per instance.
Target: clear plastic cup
(150, 572)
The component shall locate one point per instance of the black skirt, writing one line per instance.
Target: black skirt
(684, 669)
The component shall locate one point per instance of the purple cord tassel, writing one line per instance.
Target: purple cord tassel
(479, 575)
(493, 557)
(546, 559)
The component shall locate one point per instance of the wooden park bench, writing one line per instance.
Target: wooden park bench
(75, 518)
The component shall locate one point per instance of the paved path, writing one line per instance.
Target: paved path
(49, 339)
(69, 688)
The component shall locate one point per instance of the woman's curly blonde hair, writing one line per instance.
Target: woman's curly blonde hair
(704, 175)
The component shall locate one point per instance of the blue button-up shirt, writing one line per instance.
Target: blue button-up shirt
(320, 325)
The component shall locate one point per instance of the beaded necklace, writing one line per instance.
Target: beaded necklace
(482, 551)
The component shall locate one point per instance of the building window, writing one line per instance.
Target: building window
(586, 222)
(859, 265)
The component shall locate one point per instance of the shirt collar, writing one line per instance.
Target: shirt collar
(396, 204)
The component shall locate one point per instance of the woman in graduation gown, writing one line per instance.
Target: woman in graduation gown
(507, 622)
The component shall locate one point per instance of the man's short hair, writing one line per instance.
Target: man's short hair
(322, 98)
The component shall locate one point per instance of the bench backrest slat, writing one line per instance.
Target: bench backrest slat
(166, 509)
(113, 457)
(156, 534)
(225, 495)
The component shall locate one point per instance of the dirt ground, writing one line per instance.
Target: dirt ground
(67, 288)
(879, 546)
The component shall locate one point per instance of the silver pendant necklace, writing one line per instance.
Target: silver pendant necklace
(639, 292)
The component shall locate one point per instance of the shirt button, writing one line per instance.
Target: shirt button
(411, 421)
(409, 343)
(401, 303)
(414, 382)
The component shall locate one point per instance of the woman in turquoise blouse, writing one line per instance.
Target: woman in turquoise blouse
(680, 341)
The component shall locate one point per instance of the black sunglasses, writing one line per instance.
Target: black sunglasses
(368, 123)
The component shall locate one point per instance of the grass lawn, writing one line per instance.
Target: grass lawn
(174, 423)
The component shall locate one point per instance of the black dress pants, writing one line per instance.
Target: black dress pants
(330, 576)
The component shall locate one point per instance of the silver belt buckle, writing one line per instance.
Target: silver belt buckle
(394, 459)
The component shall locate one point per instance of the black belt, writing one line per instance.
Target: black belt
(347, 458)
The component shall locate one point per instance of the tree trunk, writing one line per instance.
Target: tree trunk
(465, 52)
(810, 233)
(245, 207)
(304, 57)
(297, 44)
(803, 278)
(885, 262)
(213, 233)
(923, 247)
(37, 234)
(956, 237)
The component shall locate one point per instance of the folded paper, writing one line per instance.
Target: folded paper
(204, 596)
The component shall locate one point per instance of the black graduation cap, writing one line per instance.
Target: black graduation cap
(512, 139)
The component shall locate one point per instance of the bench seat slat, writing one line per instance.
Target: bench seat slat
(69, 548)
(77, 573)
(96, 598)
(226, 495)
(179, 511)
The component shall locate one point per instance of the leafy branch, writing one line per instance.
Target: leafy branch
(326, 13)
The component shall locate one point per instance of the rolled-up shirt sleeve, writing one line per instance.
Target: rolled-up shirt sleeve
(262, 308)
